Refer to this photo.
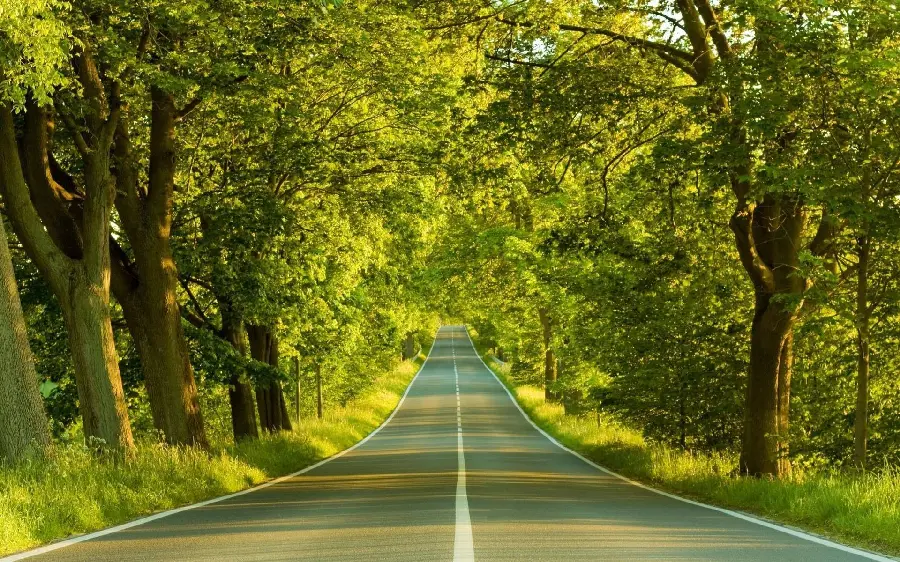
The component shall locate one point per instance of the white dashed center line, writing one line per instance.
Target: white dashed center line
(463, 547)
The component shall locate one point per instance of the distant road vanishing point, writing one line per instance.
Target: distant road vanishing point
(457, 473)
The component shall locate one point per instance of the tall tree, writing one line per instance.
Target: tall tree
(77, 268)
(24, 429)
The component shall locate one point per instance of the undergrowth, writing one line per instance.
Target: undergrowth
(73, 491)
(861, 509)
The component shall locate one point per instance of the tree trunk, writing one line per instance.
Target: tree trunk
(273, 414)
(81, 285)
(100, 394)
(409, 346)
(24, 427)
(768, 238)
(863, 314)
(550, 373)
(240, 394)
(147, 289)
(152, 315)
(785, 372)
(765, 417)
(682, 415)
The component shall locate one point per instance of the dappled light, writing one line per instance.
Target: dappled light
(449, 280)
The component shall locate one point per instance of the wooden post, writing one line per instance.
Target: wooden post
(297, 395)
(319, 411)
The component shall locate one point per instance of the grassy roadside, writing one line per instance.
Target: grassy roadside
(74, 493)
(862, 510)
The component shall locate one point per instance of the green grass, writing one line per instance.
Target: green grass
(858, 509)
(74, 492)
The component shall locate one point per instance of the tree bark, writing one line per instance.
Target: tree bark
(81, 285)
(100, 394)
(240, 394)
(768, 237)
(863, 314)
(23, 431)
(409, 346)
(550, 373)
(273, 414)
(147, 289)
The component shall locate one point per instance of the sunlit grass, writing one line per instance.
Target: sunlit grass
(861, 509)
(74, 492)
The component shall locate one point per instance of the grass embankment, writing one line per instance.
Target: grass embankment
(858, 509)
(73, 492)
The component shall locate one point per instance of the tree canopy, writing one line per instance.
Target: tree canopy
(679, 213)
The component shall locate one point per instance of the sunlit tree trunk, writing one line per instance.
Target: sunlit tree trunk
(147, 289)
(23, 429)
(768, 237)
(409, 346)
(81, 282)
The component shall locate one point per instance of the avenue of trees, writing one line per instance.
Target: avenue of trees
(207, 204)
(685, 212)
(680, 213)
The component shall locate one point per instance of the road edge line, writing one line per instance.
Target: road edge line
(162, 514)
(749, 518)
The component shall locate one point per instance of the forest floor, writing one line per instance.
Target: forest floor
(862, 510)
(73, 492)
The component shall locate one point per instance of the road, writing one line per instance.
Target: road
(458, 473)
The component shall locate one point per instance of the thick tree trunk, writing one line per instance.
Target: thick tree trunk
(766, 417)
(147, 289)
(152, 315)
(100, 394)
(23, 430)
(240, 394)
(273, 414)
(550, 373)
(81, 285)
(768, 239)
(861, 424)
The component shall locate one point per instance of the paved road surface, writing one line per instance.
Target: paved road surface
(402, 496)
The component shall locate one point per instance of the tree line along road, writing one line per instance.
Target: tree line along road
(456, 473)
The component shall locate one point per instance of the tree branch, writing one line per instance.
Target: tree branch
(522, 62)
(632, 41)
(52, 262)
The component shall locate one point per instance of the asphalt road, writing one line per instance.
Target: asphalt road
(457, 474)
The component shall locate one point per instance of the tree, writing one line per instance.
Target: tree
(76, 268)
(24, 429)
(747, 72)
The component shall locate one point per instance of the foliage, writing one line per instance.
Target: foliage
(861, 509)
(74, 492)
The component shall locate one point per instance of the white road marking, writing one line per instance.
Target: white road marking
(463, 545)
(155, 516)
(744, 516)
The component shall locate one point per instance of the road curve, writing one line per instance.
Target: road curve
(456, 474)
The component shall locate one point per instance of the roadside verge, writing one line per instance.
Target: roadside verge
(862, 510)
(73, 492)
